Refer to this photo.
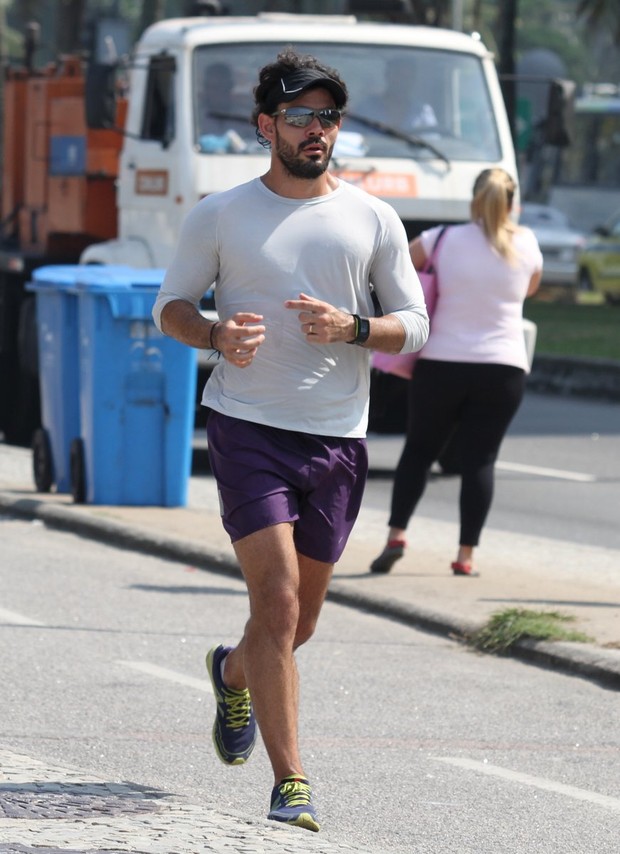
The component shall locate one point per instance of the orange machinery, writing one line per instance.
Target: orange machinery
(58, 176)
(58, 196)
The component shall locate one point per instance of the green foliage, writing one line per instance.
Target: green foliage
(554, 26)
(602, 13)
(580, 31)
(505, 628)
(587, 49)
(576, 330)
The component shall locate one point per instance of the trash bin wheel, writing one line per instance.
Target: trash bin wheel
(42, 463)
(78, 471)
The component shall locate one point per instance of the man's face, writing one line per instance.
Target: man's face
(305, 152)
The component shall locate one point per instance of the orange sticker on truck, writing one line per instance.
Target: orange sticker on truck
(388, 184)
(152, 182)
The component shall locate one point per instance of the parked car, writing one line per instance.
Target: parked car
(599, 261)
(559, 242)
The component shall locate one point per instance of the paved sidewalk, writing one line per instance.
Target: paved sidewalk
(51, 809)
(516, 570)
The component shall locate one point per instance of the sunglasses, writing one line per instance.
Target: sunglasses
(301, 117)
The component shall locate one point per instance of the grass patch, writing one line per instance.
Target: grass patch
(576, 330)
(505, 628)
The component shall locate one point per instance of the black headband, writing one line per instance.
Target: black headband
(295, 83)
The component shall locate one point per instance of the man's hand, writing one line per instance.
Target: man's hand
(320, 322)
(239, 337)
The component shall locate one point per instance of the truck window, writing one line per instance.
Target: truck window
(158, 117)
(593, 157)
(437, 94)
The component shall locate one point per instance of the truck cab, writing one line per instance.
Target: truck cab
(188, 131)
(111, 183)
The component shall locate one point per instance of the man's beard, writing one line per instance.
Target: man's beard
(297, 166)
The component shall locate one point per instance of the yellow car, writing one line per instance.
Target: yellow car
(599, 261)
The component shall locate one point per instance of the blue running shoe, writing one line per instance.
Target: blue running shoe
(234, 730)
(291, 803)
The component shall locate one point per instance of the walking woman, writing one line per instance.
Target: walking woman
(470, 375)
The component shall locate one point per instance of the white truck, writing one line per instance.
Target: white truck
(159, 139)
(171, 157)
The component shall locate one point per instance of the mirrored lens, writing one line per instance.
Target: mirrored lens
(301, 117)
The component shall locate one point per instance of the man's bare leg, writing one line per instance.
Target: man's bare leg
(286, 592)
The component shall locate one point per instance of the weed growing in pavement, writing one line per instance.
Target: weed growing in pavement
(505, 628)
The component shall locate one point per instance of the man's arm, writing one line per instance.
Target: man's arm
(387, 334)
(322, 323)
(183, 321)
(237, 339)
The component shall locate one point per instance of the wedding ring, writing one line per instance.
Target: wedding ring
(311, 329)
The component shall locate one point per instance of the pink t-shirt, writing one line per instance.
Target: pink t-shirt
(479, 311)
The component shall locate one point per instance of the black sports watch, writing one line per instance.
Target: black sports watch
(362, 330)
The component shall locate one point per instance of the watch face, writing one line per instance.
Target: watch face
(364, 331)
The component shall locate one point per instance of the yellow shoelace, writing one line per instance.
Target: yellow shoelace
(238, 708)
(295, 793)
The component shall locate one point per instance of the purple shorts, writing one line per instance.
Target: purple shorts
(266, 476)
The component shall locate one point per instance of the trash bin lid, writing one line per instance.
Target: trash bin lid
(128, 292)
(112, 279)
(55, 276)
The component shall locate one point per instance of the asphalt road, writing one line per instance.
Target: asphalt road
(413, 744)
(558, 475)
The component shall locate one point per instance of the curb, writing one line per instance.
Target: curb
(595, 379)
(596, 664)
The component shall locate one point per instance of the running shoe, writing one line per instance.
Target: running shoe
(291, 803)
(234, 730)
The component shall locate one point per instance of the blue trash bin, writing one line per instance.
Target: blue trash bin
(59, 381)
(137, 393)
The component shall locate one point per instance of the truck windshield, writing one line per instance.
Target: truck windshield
(437, 97)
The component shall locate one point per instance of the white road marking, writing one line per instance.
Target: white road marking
(171, 675)
(537, 782)
(541, 471)
(17, 619)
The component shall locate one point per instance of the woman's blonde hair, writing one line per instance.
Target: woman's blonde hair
(494, 191)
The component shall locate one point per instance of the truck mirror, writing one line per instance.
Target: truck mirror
(559, 110)
(100, 97)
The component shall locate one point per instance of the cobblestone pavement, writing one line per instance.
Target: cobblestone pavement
(48, 809)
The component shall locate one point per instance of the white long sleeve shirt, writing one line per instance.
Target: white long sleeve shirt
(261, 249)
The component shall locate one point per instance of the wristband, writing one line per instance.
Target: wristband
(362, 330)
(211, 330)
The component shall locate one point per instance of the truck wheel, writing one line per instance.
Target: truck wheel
(22, 412)
(42, 463)
(78, 471)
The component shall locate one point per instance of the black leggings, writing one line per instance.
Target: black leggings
(463, 402)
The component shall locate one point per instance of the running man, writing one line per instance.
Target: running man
(294, 256)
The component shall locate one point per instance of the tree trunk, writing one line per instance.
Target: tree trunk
(506, 40)
(152, 10)
(69, 25)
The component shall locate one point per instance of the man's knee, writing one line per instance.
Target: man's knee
(277, 613)
(305, 630)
